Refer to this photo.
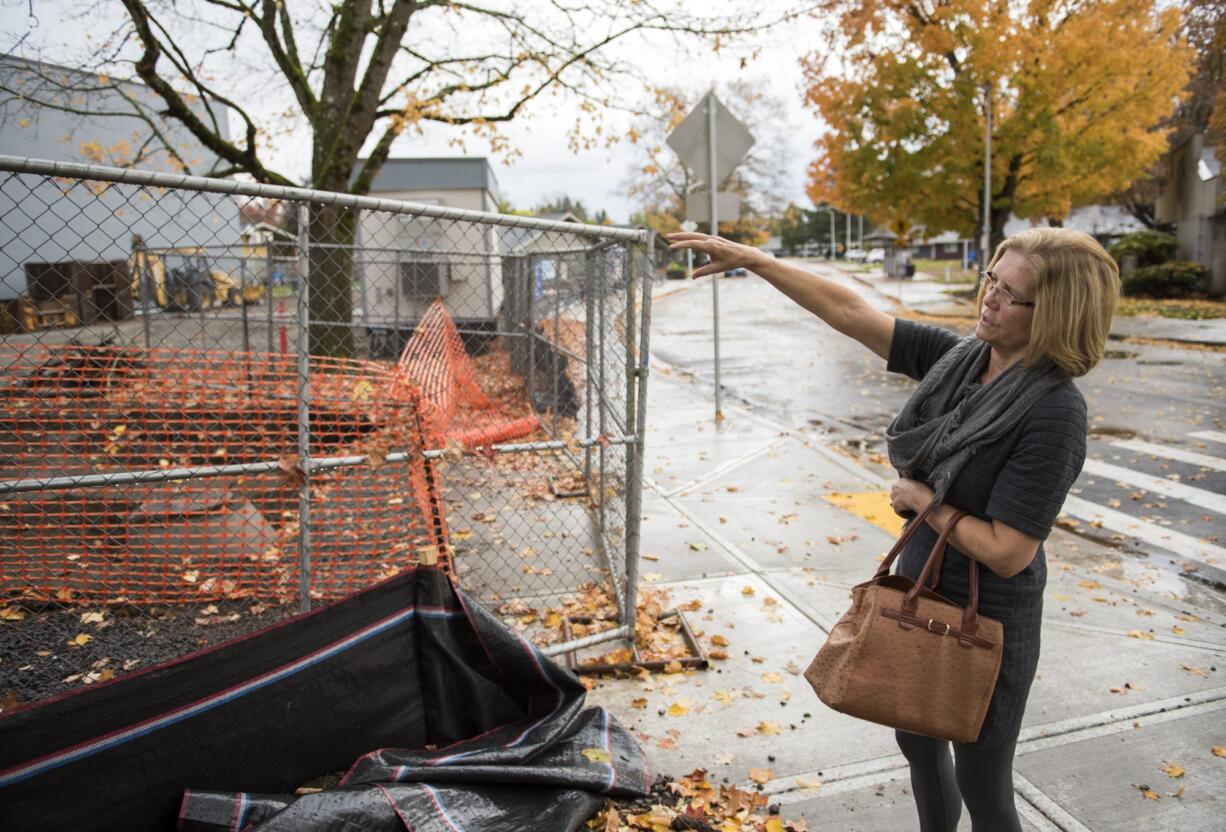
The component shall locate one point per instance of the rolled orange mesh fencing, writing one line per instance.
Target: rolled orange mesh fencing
(435, 361)
(79, 410)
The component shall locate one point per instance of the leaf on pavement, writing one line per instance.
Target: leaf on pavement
(761, 775)
(1218, 751)
(679, 708)
(12, 614)
(1172, 769)
(771, 677)
(1141, 635)
(768, 728)
(80, 640)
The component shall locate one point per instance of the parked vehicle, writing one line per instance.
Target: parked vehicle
(875, 255)
(856, 255)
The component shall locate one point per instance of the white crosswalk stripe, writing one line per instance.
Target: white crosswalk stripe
(1211, 435)
(1178, 491)
(1148, 532)
(1167, 452)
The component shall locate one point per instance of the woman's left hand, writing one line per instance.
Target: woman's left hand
(909, 495)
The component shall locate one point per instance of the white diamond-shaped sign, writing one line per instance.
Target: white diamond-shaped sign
(689, 140)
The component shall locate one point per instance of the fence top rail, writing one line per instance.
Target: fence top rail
(133, 176)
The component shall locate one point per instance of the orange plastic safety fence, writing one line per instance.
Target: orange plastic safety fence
(435, 361)
(75, 410)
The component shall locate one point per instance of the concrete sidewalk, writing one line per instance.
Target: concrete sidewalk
(740, 517)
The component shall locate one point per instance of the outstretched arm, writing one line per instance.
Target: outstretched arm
(840, 307)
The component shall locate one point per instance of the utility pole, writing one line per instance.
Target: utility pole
(712, 188)
(847, 235)
(985, 248)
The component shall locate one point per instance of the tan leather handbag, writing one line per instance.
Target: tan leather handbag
(906, 657)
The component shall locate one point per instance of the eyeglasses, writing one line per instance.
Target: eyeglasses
(993, 284)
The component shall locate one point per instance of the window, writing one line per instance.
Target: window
(421, 279)
(949, 248)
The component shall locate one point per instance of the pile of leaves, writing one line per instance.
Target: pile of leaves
(692, 802)
(657, 637)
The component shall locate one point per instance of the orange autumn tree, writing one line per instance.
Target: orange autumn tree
(1079, 89)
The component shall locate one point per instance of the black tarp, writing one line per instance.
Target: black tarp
(441, 717)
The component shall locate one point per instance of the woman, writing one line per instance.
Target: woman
(995, 428)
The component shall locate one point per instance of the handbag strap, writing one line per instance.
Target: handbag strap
(908, 532)
(936, 556)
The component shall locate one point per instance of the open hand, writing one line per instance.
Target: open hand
(725, 255)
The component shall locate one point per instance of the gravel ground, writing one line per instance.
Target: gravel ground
(43, 654)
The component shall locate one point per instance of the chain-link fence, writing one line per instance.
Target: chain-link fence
(210, 423)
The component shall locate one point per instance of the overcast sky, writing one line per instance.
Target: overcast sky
(547, 166)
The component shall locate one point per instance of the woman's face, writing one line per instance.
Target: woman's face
(1002, 324)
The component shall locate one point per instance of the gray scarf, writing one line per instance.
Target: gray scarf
(940, 429)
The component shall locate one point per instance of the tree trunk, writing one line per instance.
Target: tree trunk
(331, 233)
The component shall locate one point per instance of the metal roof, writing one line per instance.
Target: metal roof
(435, 174)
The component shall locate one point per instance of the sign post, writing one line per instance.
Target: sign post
(711, 142)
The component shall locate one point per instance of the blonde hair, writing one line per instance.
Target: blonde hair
(1077, 285)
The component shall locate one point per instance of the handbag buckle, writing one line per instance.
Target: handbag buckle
(939, 624)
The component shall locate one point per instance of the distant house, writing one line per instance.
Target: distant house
(1105, 223)
(948, 245)
(1193, 201)
(41, 221)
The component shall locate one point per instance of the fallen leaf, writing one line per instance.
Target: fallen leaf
(808, 782)
(719, 641)
(12, 614)
(761, 775)
(717, 655)
(1172, 769)
(722, 696)
(699, 547)
(679, 708)
(673, 667)
(747, 591)
(1147, 792)
(1177, 630)
(597, 755)
(1141, 635)
(771, 678)
(1090, 585)
(793, 668)
(768, 729)
(1218, 751)
(639, 703)
(80, 640)
(1059, 596)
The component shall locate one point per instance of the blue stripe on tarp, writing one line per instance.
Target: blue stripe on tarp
(438, 805)
(81, 751)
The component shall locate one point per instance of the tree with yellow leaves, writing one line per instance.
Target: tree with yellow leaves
(1078, 90)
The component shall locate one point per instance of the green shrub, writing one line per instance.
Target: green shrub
(1150, 247)
(676, 271)
(1167, 280)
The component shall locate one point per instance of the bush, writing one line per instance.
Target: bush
(1150, 247)
(1167, 280)
(675, 271)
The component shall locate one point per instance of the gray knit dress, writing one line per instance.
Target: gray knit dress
(1021, 481)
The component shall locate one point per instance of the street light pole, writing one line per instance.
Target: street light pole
(712, 188)
(987, 179)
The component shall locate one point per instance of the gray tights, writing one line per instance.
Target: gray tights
(982, 777)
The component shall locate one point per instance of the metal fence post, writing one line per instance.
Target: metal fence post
(242, 298)
(634, 489)
(269, 288)
(589, 316)
(531, 322)
(304, 412)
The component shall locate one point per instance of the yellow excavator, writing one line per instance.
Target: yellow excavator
(190, 286)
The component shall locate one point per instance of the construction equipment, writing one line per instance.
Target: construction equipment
(190, 286)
